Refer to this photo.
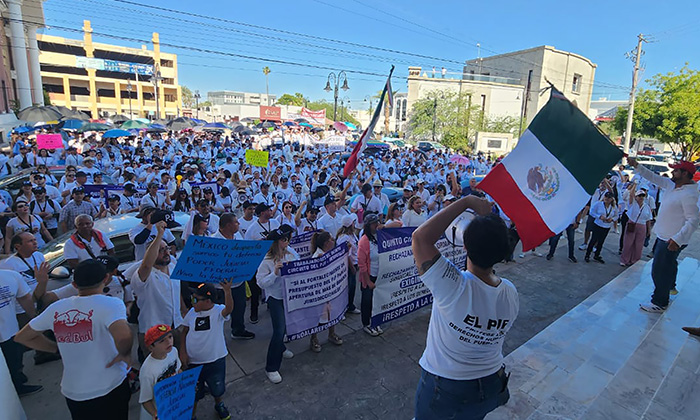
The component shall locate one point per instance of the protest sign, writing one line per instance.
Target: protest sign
(302, 244)
(399, 291)
(174, 396)
(97, 192)
(213, 260)
(49, 141)
(315, 292)
(257, 158)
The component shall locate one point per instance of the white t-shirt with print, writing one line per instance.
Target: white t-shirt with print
(153, 371)
(468, 323)
(205, 338)
(12, 286)
(81, 326)
(158, 298)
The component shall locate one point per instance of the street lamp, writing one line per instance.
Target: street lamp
(196, 101)
(128, 89)
(336, 81)
(155, 79)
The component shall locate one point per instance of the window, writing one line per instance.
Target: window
(576, 83)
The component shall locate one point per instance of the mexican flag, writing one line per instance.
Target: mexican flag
(551, 174)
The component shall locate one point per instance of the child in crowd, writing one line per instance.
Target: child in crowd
(204, 344)
(162, 363)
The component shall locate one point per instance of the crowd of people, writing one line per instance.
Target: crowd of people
(181, 325)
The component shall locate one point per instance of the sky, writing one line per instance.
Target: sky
(224, 44)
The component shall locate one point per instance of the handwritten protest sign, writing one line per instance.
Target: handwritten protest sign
(257, 158)
(315, 292)
(49, 141)
(212, 260)
(399, 289)
(174, 396)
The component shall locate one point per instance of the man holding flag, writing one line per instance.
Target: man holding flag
(361, 145)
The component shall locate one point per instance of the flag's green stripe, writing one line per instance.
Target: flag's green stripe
(573, 139)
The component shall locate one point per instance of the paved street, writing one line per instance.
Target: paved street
(368, 377)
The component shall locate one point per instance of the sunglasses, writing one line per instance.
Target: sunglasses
(21, 206)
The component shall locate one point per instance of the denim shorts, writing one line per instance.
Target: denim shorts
(442, 398)
(214, 375)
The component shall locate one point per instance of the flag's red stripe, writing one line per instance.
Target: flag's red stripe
(503, 189)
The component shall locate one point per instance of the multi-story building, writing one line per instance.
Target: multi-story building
(229, 97)
(106, 79)
(535, 69)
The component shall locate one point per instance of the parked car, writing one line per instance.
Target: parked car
(658, 168)
(427, 146)
(12, 183)
(117, 229)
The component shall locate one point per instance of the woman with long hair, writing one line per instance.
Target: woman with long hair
(287, 216)
(347, 234)
(322, 242)
(368, 262)
(270, 280)
(182, 201)
(393, 216)
(25, 193)
(209, 196)
(196, 194)
(224, 201)
(414, 215)
(24, 221)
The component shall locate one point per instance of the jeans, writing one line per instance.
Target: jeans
(276, 347)
(663, 271)
(366, 303)
(623, 223)
(13, 353)
(113, 406)
(255, 293)
(238, 313)
(554, 241)
(352, 285)
(442, 398)
(597, 240)
(214, 374)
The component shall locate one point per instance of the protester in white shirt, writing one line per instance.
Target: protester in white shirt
(95, 344)
(162, 363)
(471, 313)
(414, 215)
(86, 242)
(145, 232)
(604, 214)
(330, 222)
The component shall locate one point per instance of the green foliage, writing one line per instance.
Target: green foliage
(297, 99)
(669, 111)
(47, 98)
(187, 97)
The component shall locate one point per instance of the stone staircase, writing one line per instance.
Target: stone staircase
(607, 359)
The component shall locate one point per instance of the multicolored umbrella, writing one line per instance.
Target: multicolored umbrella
(350, 125)
(340, 126)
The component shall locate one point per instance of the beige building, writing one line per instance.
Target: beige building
(532, 68)
(106, 79)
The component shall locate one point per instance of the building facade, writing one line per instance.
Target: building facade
(534, 69)
(229, 97)
(105, 79)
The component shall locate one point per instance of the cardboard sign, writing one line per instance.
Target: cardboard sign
(257, 158)
(213, 260)
(174, 396)
(49, 141)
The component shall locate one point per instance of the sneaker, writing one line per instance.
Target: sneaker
(549, 257)
(521, 255)
(623, 264)
(650, 307)
(287, 354)
(579, 231)
(573, 259)
(599, 259)
(692, 330)
(674, 292)
(245, 335)
(354, 311)
(582, 247)
(253, 318)
(274, 377)
(587, 258)
(371, 331)
(25, 390)
(537, 254)
(379, 330)
(222, 411)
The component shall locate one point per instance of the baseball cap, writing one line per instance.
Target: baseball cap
(377, 183)
(329, 199)
(110, 262)
(78, 190)
(683, 165)
(277, 234)
(640, 192)
(89, 273)
(247, 204)
(25, 183)
(156, 333)
(80, 173)
(349, 219)
(38, 190)
(114, 197)
(450, 197)
(370, 218)
(408, 188)
(164, 215)
(130, 188)
(204, 290)
(262, 207)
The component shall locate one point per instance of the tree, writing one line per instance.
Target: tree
(297, 99)
(668, 111)
(187, 97)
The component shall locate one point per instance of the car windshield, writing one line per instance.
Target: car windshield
(657, 169)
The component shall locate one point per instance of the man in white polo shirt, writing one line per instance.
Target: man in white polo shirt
(472, 311)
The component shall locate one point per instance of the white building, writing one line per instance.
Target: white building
(229, 97)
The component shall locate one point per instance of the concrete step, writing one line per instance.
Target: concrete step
(607, 356)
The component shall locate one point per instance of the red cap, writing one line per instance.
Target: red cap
(155, 333)
(684, 165)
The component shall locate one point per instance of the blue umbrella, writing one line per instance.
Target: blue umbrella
(116, 132)
(24, 129)
(290, 124)
(303, 124)
(219, 125)
(72, 124)
(156, 128)
(351, 125)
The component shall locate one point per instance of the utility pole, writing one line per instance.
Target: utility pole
(266, 72)
(128, 89)
(637, 56)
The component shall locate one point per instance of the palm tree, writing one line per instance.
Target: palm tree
(266, 71)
